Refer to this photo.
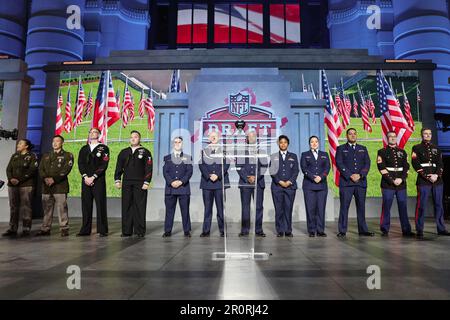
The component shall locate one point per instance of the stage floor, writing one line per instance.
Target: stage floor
(181, 268)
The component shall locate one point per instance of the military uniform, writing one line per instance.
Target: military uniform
(22, 167)
(315, 194)
(177, 167)
(93, 163)
(135, 169)
(427, 159)
(351, 159)
(392, 162)
(212, 191)
(283, 169)
(54, 198)
(247, 167)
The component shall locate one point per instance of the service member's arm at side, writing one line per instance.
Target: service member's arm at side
(365, 170)
(9, 169)
(82, 162)
(327, 167)
(119, 167)
(203, 167)
(296, 169)
(405, 166)
(30, 170)
(381, 165)
(188, 174)
(343, 170)
(148, 167)
(416, 163)
(303, 166)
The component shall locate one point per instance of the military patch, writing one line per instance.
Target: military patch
(414, 155)
(379, 160)
(70, 163)
(105, 157)
(149, 161)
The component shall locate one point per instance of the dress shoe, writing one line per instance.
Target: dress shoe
(260, 234)
(187, 234)
(25, 233)
(419, 235)
(312, 234)
(222, 234)
(43, 233)
(243, 234)
(166, 234)
(409, 234)
(140, 235)
(367, 234)
(384, 233)
(102, 235)
(341, 235)
(64, 233)
(321, 234)
(9, 233)
(204, 234)
(280, 234)
(444, 233)
(289, 234)
(124, 235)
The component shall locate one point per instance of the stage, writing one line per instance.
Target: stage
(181, 268)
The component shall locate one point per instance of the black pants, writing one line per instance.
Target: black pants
(88, 194)
(134, 205)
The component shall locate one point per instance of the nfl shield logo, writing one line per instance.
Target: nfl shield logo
(239, 104)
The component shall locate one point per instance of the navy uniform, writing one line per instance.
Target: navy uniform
(283, 168)
(177, 166)
(315, 163)
(135, 169)
(93, 163)
(392, 163)
(427, 159)
(22, 167)
(212, 191)
(247, 167)
(352, 159)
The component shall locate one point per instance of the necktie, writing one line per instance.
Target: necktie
(315, 154)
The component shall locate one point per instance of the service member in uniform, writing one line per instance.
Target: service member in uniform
(177, 171)
(427, 161)
(353, 162)
(284, 170)
(93, 161)
(21, 172)
(54, 168)
(393, 165)
(315, 165)
(247, 167)
(133, 174)
(214, 180)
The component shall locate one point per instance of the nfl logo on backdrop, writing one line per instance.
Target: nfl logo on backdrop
(239, 105)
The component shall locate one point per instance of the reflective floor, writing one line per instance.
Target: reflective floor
(182, 268)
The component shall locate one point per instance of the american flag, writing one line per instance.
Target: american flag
(364, 111)
(371, 107)
(141, 107)
(59, 121)
(150, 111)
(346, 103)
(392, 118)
(98, 120)
(68, 124)
(333, 124)
(175, 81)
(340, 102)
(235, 20)
(81, 102)
(407, 108)
(113, 112)
(355, 107)
(89, 105)
(118, 98)
(128, 106)
(124, 113)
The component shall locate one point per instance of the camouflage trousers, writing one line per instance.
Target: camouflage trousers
(55, 204)
(20, 199)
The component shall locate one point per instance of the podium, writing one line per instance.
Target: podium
(246, 246)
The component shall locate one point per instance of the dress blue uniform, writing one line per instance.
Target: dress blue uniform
(352, 159)
(315, 194)
(286, 169)
(392, 164)
(427, 159)
(212, 191)
(247, 189)
(177, 166)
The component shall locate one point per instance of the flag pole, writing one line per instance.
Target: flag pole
(417, 104)
(105, 121)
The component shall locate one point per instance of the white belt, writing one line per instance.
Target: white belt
(428, 164)
(394, 169)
